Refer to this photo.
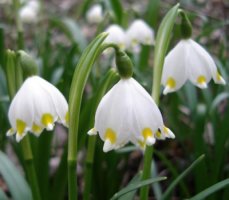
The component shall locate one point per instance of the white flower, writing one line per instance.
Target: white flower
(117, 36)
(127, 113)
(188, 60)
(139, 33)
(37, 105)
(95, 14)
(29, 12)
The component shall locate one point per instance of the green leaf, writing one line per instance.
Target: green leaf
(130, 195)
(218, 99)
(181, 176)
(17, 185)
(79, 80)
(135, 186)
(161, 46)
(218, 186)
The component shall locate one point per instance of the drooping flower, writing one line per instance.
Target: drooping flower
(117, 36)
(189, 60)
(95, 14)
(139, 33)
(37, 105)
(29, 12)
(127, 113)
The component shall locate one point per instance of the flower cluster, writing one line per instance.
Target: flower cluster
(188, 60)
(137, 33)
(37, 105)
(127, 113)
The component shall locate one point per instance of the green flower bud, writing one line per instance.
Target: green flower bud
(124, 64)
(29, 66)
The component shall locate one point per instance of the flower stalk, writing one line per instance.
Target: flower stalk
(161, 45)
(13, 86)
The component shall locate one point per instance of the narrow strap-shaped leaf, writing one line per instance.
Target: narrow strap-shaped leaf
(75, 97)
(161, 46)
(130, 195)
(116, 8)
(218, 186)
(135, 186)
(182, 175)
(17, 185)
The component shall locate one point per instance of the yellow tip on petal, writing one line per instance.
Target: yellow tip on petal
(201, 81)
(10, 132)
(67, 118)
(147, 132)
(220, 79)
(36, 129)
(20, 126)
(110, 135)
(47, 121)
(171, 83)
(92, 132)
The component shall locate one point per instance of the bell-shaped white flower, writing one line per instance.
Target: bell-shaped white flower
(29, 12)
(117, 36)
(127, 113)
(189, 60)
(139, 33)
(37, 105)
(95, 14)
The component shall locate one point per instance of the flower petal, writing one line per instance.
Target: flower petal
(174, 72)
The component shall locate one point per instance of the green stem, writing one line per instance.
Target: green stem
(20, 31)
(162, 43)
(29, 166)
(111, 75)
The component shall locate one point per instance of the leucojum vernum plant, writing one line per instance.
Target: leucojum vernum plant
(121, 110)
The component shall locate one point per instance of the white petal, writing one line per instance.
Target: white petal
(150, 141)
(10, 132)
(116, 35)
(140, 32)
(19, 137)
(58, 100)
(174, 72)
(107, 146)
(95, 14)
(92, 132)
(198, 64)
(21, 107)
(43, 103)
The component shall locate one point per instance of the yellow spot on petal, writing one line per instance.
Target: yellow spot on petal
(36, 128)
(218, 76)
(201, 80)
(141, 144)
(166, 130)
(67, 118)
(147, 132)
(110, 135)
(158, 134)
(47, 119)
(134, 42)
(20, 126)
(171, 83)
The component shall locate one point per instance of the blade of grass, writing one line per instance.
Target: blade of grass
(136, 186)
(214, 188)
(181, 176)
